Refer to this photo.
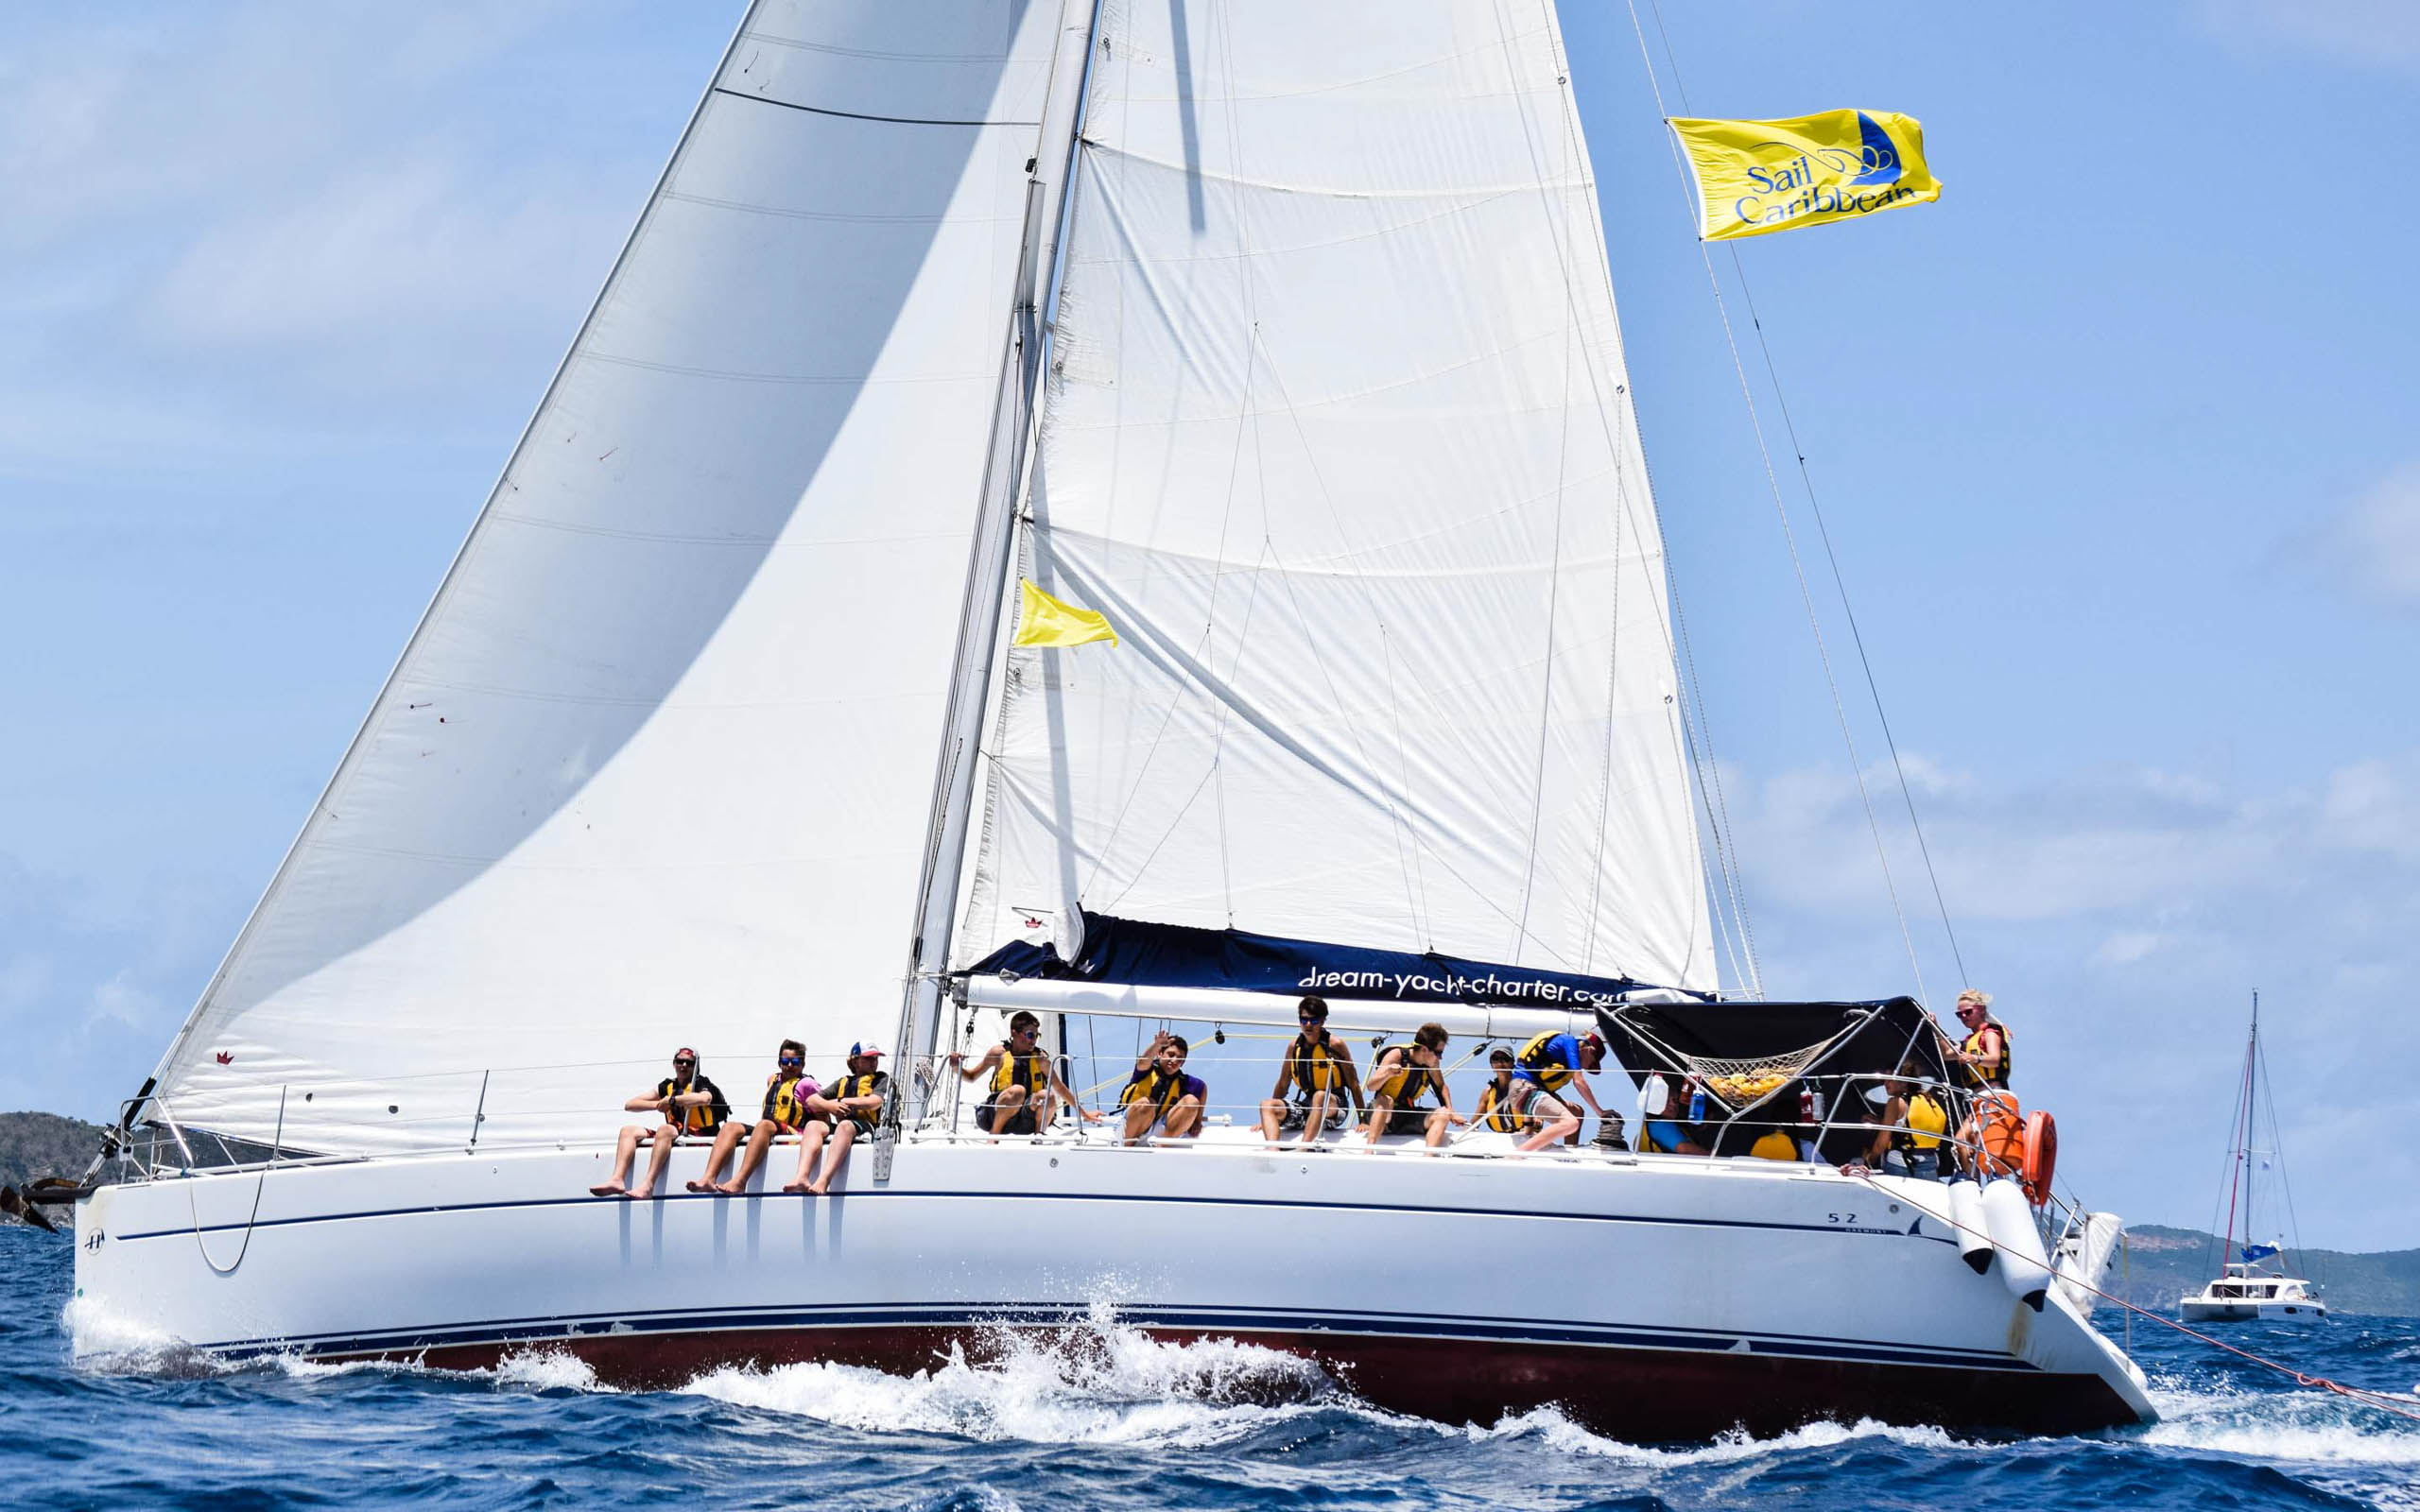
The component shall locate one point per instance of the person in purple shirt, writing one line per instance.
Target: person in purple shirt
(786, 1093)
(1161, 1093)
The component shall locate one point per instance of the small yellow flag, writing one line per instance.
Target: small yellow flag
(1042, 620)
(1756, 177)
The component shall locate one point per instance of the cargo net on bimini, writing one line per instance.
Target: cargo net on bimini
(1741, 1084)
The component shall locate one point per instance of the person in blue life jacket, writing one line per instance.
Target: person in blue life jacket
(1552, 1062)
(690, 1103)
(1400, 1076)
(786, 1092)
(1317, 1069)
(1022, 1083)
(1508, 1105)
(841, 1114)
(1160, 1095)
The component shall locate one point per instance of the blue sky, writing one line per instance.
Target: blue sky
(2118, 442)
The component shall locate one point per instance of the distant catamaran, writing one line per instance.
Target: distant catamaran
(2253, 1282)
(1282, 336)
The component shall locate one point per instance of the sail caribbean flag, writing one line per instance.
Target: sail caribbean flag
(1042, 620)
(1755, 177)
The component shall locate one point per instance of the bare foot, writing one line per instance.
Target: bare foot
(729, 1189)
(606, 1189)
(640, 1193)
(796, 1187)
(703, 1186)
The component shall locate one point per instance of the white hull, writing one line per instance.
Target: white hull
(2208, 1309)
(1656, 1297)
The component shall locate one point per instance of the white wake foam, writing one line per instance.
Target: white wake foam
(1100, 1384)
(547, 1369)
(1560, 1433)
(2301, 1427)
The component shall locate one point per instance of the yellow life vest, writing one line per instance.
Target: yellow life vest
(1405, 1082)
(1926, 1121)
(1497, 1114)
(1156, 1086)
(865, 1085)
(1775, 1145)
(698, 1120)
(1993, 1072)
(1314, 1064)
(783, 1104)
(1031, 1070)
(1531, 1058)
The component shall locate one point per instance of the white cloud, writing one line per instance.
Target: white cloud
(2373, 542)
(2376, 33)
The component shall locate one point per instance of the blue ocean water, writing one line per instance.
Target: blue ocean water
(1113, 1421)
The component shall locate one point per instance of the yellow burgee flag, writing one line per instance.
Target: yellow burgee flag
(1042, 620)
(1755, 177)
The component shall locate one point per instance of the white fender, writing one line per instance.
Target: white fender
(1966, 1211)
(2024, 1266)
(2085, 1255)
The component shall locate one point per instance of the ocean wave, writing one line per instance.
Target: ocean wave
(2295, 1427)
(1561, 1435)
(1099, 1383)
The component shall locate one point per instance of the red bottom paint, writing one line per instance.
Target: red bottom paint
(1630, 1394)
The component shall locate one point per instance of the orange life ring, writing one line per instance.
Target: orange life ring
(1995, 1132)
(2041, 1155)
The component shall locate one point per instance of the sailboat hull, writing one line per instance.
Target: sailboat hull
(1649, 1299)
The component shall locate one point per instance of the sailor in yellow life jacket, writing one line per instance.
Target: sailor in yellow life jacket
(1160, 1091)
(1400, 1076)
(689, 1105)
(1318, 1072)
(1985, 1057)
(1912, 1121)
(1022, 1083)
(836, 1116)
(1552, 1062)
(787, 1092)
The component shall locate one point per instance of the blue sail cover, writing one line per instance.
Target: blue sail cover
(1144, 954)
(2257, 1252)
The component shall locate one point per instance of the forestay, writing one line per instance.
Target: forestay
(1338, 433)
(656, 765)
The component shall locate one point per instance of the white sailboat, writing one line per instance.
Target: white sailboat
(1282, 335)
(2253, 1283)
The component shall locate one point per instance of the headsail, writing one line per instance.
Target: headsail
(654, 768)
(1338, 433)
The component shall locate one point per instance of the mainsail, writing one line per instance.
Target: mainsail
(655, 768)
(1338, 435)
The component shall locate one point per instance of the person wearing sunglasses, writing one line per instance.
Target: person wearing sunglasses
(788, 1093)
(1400, 1076)
(691, 1104)
(1024, 1084)
(1317, 1065)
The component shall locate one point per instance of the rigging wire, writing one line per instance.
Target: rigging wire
(1823, 531)
(1781, 509)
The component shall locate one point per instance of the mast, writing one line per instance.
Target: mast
(2241, 1182)
(988, 564)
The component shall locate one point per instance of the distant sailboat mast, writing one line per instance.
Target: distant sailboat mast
(2241, 1184)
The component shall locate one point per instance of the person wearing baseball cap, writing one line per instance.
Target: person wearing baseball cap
(690, 1103)
(845, 1108)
